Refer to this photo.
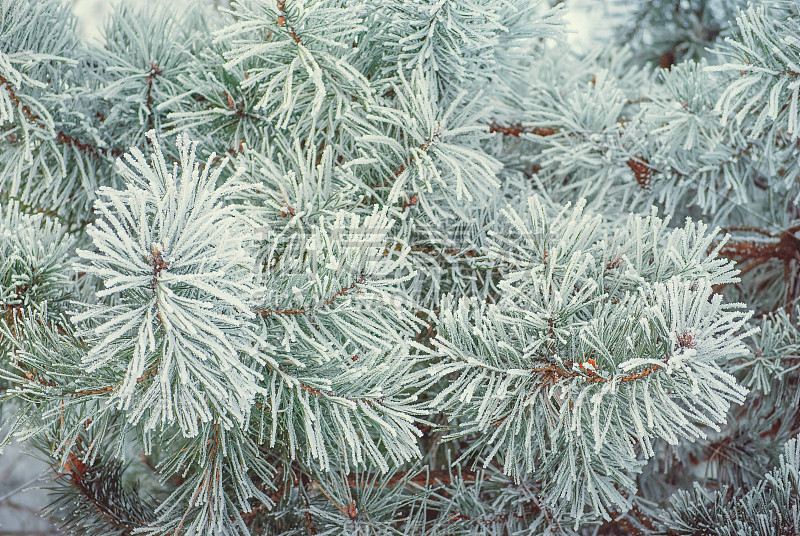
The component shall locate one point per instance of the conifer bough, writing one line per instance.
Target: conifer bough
(403, 268)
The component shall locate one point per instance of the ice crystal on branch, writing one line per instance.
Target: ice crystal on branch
(601, 343)
(177, 293)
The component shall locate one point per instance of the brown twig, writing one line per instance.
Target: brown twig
(413, 199)
(785, 248)
(552, 373)
(640, 167)
(60, 136)
(439, 252)
(150, 372)
(79, 478)
(622, 522)
(516, 129)
(747, 229)
(754, 253)
(410, 201)
(282, 21)
(153, 73)
(302, 310)
(530, 508)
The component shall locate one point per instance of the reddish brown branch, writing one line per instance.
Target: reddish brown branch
(639, 166)
(425, 147)
(81, 478)
(110, 388)
(529, 509)
(90, 392)
(516, 129)
(86, 148)
(302, 310)
(282, 21)
(24, 108)
(371, 402)
(31, 209)
(33, 377)
(754, 253)
(552, 373)
(307, 517)
(785, 248)
(745, 228)
(624, 523)
(158, 262)
(438, 252)
(61, 137)
(410, 201)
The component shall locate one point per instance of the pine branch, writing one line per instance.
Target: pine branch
(108, 389)
(786, 248)
(425, 147)
(553, 373)
(60, 136)
(562, 349)
(433, 477)
(152, 74)
(515, 129)
(30, 209)
(360, 280)
(639, 166)
(307, 517)
(100, 485)
(282, 21)
(369, 401)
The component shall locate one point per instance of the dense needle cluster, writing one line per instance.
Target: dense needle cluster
(382, 267)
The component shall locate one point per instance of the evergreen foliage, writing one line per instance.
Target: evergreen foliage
(310, 267)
